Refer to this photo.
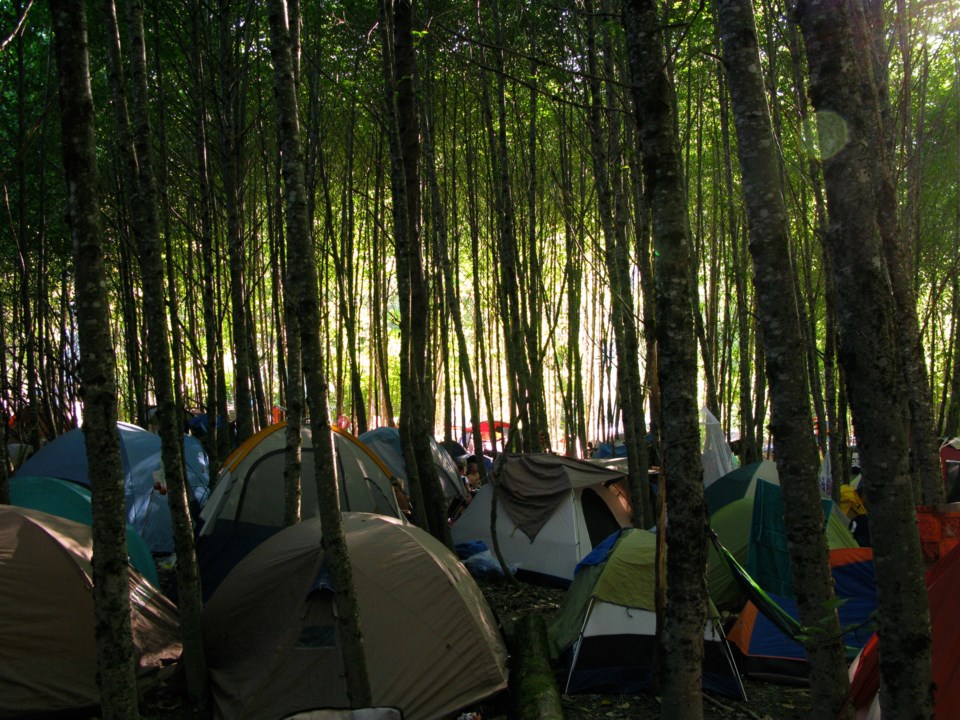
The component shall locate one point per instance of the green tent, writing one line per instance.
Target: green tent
(605, 632)
(70, 500)
(741, 483)
(752, 530)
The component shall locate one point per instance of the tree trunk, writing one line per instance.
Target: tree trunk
(210, 404)
(135, 146)
(231, 127)
(925, 465)
(303, 284)
(116, 662)
(868, 353)
(607, 155)
(795, 447)
(404, 129)
(681, 641)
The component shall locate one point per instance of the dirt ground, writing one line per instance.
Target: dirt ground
(765, 701)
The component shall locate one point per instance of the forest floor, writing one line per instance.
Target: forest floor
(765, 701)
(510, 602)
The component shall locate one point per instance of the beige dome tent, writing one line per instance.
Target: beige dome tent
(247, 502)
(47, 648)
(432, 644)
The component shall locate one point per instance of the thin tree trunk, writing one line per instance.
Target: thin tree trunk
(210, 405)
(609, 199)
(303, 282)
(925, 466)
(868, 354)
(116, 661)
(681, 641)
(415, 430)
(231, 128)
(795, 447)
(135, 146)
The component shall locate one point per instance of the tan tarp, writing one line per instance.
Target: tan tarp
(431, 641)
(533, 485)
(47, 647)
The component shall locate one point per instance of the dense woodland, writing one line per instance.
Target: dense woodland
(221, 210)
(587, 220)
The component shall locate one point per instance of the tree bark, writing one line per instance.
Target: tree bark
(795, 446)
(606, 157)
(232, 119)
(136, 147)
(925, 465)
(681, 641)
(303, 284)
(404, 130)
(848, 138)
(116, 662)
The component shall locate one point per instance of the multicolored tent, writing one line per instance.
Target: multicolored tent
(605, 632)
(767, 651)
(746, 512)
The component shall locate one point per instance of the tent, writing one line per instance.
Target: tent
(72, 501)
(385, 443)
(769, 653)
(746, 512)
(147, 508)
(717, 457)
(943, 588)
(270, 632)
(950, 467)
(609, 450)
(740, 483)
(247, 503)
(454, 449)
(493, 440)
(551, 511)
(605, 631)
(47, 647)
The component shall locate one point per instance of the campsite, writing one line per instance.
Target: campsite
(491, 360)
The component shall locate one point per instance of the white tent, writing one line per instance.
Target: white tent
(717, 458)
(551, 511)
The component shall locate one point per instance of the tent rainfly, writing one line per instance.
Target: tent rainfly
(551, 512)
(271, 639)
(48, 658)
(144, 486)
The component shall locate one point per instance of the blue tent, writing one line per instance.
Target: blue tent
(766, 651)
(385, 443)
(71, 501)
(147, 508)
(609, 450)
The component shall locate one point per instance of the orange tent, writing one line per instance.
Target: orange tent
(943, 588)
